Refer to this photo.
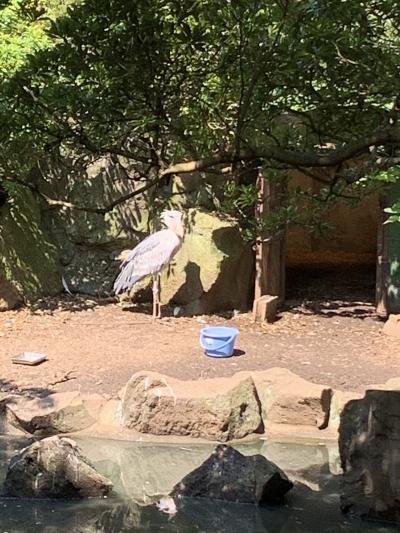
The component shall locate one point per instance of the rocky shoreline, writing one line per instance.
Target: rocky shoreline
(248, 404)
(268, 406)
(275, 403)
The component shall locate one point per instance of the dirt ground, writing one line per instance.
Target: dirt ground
(95, 346)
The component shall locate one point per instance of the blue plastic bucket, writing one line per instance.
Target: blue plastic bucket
(218, 341)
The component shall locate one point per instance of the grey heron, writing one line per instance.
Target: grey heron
(151, 255)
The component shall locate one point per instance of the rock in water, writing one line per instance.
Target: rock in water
(369, 436)
(54, 468)
(229, 475)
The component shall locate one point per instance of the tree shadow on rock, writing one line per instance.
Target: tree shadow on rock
(234, 287)
(233, 278)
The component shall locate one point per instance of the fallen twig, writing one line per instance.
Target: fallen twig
(66, 377)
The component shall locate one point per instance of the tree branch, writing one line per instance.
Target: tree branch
(294, 158)
(52, 203)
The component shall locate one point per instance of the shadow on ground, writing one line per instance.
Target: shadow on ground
(362, 310)
(8, 386)
(73, 304)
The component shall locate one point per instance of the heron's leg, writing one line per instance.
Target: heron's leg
(156, 297)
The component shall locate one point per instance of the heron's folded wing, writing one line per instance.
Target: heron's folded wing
(146, 258)
(147, 245)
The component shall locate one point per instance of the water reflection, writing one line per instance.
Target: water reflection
(305, 511)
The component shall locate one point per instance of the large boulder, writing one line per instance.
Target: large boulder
(214, 269)
(62, 412)
(28, 257)
(216, 409)
(369, 436)
(53, 468)
(88, 241)
(229, 475)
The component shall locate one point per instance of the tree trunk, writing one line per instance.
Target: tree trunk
(381, 262)
(388, 257)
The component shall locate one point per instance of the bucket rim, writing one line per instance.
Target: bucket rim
(229, 331)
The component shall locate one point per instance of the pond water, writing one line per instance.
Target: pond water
(142, 471)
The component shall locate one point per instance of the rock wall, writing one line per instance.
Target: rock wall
(42, 241)
(351, 240)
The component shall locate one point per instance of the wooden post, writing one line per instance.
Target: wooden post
(270, 255)
(260, 280)
(275, 258)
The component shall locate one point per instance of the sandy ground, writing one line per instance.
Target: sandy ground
(96, 346)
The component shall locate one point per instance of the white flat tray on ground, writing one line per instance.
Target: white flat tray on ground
(29, 358)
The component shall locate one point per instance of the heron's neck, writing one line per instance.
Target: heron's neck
(177, 228)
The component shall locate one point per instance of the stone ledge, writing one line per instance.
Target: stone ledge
(289, 399)
(156, 407)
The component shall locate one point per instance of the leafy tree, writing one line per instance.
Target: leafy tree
(168, 86)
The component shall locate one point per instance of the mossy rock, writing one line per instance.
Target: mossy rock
(88, 241)
(28, 258)
(213, 271)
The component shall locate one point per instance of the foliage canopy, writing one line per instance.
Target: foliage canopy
(174, 86)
